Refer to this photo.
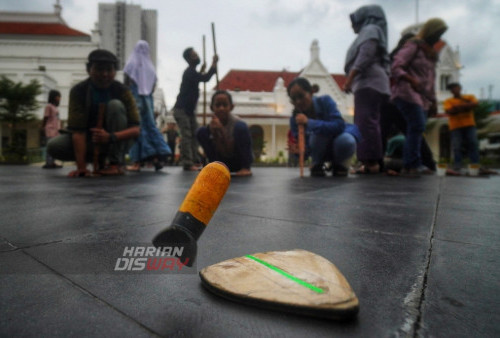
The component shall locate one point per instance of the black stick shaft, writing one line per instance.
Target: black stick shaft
(215, 53)
(204, 86)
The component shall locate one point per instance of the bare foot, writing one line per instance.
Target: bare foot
(79, 173)
(391, 172)
(192, 168)
(134, 167)
(243, 172)
(111, 170)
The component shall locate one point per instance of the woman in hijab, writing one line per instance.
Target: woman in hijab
(367, 67)
(140, 76)
(413, 72)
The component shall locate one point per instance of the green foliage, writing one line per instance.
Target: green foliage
(18, 101)
(481, 113)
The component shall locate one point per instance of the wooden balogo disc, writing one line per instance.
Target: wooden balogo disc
(296, 281)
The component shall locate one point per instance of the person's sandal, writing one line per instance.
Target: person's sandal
(242, 173)
(134, 167)
(317, 171)
(368, 170)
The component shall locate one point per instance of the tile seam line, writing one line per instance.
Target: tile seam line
(92, 295)
(417, 325)
(364, 230)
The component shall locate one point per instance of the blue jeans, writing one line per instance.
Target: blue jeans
(415, 117)
(458, 136)
(338, 149)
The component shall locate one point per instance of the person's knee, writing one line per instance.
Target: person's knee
(202, 134)
(60, 147)
(344, 148)
(116, 107)
(345, 143)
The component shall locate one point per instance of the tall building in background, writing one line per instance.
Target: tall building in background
(122, 25)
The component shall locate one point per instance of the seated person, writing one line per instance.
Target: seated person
(327, 136)
(227, 138)
(393, 159)
(120, 122)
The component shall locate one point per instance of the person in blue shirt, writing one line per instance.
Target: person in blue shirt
(185, 107)
(328, 138)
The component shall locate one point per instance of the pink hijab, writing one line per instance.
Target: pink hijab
(140, 68)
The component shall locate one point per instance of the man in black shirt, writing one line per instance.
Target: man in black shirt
(185, 107)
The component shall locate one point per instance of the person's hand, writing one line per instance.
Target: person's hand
(203, 67)
(415, 84)
(301, 118)
(347, 85)
(215, 124)
(215, 59)
(349, 80)
(99, 135)
(80, 173)
(432, 112)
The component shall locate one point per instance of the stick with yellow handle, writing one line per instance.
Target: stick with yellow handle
(195, 212)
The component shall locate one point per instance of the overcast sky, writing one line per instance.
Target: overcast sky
(277, 34)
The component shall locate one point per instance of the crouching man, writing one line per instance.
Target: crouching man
(120, 122)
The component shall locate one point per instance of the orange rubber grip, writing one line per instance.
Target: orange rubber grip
(207, 191)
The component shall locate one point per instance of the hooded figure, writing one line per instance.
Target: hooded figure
(140, 68)
(367, 67)
(429, 34)
(370, 24)
(413, 89)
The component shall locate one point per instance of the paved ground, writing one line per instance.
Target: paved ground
(423, 255)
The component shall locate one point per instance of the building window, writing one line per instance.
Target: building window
(445, 80)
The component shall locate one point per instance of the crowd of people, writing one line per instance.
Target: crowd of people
(394, 94)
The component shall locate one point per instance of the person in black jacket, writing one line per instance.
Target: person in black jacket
(185, 107)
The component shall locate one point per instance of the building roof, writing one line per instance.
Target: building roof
(262, 81)
(35, 28)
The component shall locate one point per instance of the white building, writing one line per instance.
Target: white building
(42, 46)
(122, 25)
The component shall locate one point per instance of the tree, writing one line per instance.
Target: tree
(17, 103)
(482, 112)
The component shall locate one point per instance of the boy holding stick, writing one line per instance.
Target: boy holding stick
(120, 121)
